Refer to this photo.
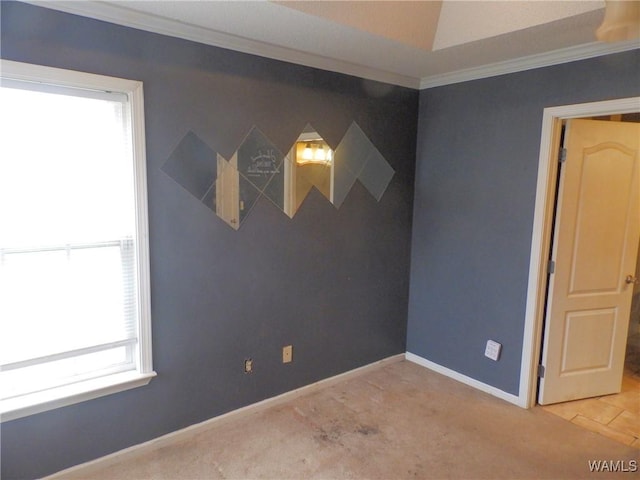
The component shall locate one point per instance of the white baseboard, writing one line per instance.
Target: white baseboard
(187, 432)
(447, 372)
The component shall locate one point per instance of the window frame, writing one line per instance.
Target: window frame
(32, 403)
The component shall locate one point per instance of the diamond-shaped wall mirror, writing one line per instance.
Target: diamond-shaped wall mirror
(309, 164)
(356, 158)
(231, 188)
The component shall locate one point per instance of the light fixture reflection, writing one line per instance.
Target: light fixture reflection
(315, 153)
(307, 154)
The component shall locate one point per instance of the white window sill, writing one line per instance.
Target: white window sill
(23, 406)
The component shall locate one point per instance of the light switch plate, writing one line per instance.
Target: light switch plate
(492, 350)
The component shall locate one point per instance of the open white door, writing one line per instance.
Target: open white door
(595, 246)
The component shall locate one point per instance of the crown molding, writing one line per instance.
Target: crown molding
(556, 57)
(130, 18)
(151, 23)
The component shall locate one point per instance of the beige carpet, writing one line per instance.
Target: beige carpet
(401, 421)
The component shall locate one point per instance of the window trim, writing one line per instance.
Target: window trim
(25, 405)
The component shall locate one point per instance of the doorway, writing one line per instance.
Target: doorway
(588, 299)
(614, 419)
(593, 260)
(553, 119)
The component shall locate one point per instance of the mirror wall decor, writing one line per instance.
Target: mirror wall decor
(309, 164)
(231, 188)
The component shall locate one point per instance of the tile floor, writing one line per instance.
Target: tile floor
(614, 416)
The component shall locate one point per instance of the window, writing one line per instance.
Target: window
(74, 278)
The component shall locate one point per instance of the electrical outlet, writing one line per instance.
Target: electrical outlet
(492, 350)
(287, 354)
(248, 365)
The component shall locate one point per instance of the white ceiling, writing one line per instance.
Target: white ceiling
(416, 44)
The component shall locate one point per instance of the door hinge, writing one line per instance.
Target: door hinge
(551, 267)
(562, 155)
(540, 371)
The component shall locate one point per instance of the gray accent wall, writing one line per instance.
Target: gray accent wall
(331, 282)
(476, 172)
(338, 284)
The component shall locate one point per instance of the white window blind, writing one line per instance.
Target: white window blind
(72, 306)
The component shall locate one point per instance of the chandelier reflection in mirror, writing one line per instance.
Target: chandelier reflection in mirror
(231, 187)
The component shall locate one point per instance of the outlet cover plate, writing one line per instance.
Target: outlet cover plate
(248, 365)
(492, 350)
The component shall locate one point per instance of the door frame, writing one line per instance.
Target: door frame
(542, 224)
